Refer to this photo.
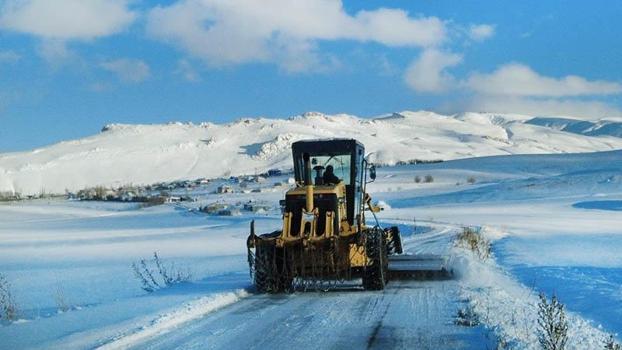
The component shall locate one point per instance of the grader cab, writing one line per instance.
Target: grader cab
(325, 238)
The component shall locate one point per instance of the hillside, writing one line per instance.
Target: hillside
(142, 154)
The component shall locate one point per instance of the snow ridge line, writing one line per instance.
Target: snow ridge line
(168, 322)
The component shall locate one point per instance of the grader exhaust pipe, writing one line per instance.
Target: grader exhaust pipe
(308, 182)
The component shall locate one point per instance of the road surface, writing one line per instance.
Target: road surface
(407, 314)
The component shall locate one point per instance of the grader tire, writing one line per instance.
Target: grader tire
(270, 275)
(394, 243)
(375, 276)
(264, 269)
(283, 276)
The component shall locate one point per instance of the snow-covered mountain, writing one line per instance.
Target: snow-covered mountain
(143, 154)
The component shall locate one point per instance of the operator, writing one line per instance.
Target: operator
(329, 176)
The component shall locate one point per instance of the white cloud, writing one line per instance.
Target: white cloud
(512, 88)
(583, 109)
(481, 32)
(393, 27)
(385, 67)
(520, 80)
(128, 70)
(428, 72)
(282, 31)
(187, 71)
(9, 56)
(66, 19)
(55, 52)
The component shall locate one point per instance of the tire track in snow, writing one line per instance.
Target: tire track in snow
(374, 335)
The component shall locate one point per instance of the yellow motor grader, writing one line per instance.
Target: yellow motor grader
(324, 239)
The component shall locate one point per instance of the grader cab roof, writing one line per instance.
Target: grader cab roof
(327, 146)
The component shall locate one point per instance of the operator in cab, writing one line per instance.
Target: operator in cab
(329, 176)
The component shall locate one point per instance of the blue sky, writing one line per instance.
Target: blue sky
(68, 67)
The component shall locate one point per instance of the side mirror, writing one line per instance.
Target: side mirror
(372, 172)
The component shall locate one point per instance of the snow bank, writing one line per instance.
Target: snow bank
(511, 308)
(168, 322)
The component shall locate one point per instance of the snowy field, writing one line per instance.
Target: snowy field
(554, 221)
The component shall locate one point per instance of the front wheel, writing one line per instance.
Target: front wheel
(264, 274)
(271, 272)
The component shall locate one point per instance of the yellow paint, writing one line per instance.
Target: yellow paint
(309, 195)
(357, 256)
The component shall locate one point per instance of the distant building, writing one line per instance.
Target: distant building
(257, 207)
(274, 172)
(224, 189)
(228, 212)
(172, 199)
(128, 196)
(260, 179)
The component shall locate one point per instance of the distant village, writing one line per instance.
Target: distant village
(187, 191)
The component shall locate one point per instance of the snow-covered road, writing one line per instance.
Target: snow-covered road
(408, 314)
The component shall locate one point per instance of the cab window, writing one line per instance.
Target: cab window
(340, 164)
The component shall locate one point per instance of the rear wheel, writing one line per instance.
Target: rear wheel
(375, 276)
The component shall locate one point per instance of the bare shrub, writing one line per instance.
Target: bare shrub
(466, 317)
(145, 275)
(428, 179)
(10, 196)
(502, 343)
(60, 298)
(100, 192)
(8, 307)
(170, 273)
(153, 201)
(552, 324)
(417, 179)
(610, 344)
(471, 180)
(471, 239)
(154, 274)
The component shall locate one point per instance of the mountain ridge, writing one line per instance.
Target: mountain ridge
(147, 153)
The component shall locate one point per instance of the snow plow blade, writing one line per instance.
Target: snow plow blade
(420, 267)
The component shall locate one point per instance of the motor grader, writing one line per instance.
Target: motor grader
(325, 238)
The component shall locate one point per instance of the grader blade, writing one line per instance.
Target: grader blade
(420, 267)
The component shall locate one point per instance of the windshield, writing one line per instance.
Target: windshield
(340, 164)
